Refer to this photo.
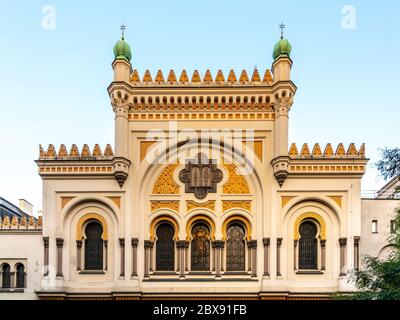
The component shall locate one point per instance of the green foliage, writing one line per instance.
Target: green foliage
(389, 165)
(381, 278)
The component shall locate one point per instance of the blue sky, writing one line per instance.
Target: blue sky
(53, 82)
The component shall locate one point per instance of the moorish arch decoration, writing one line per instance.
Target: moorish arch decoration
(236, 183)
(237, 219)
(160, 219)
(201, 176)
(165, 183)
(196, 219)
(91, 216)
(313, 216)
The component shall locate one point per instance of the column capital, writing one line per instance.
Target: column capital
(323, 243)
(342, 241)
(59, 242)
(279, 241)
(356, 239)
(79, 243)
(253, 244)
(218, 243)
(266, 241)
(148, 244)
(134, 242)
(122, 242)
(46, 242)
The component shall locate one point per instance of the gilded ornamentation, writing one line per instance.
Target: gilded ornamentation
(173, 205)
(147, 77)
(196, 77)
(97, 151)
(63, 151)
(267, 76)
(171, 77)
(286, 199)
(229, 204)
(159, 77)
(208, 77)
(337, 199)
(135, 77)
(74, 151)
(256, 76)
(165, 183)
(232, 77)
(108, 152)
(243, 77)
(51, 151)
(313, 216)
(352, 151)
(89, 216)
(340, 151)
(361, 152)
(193, 205)
(293, 150)
(85, 151)
(184, 77)
(305, 151)
(220, 77)
(328, 152)
(316, 152)
(236, 183)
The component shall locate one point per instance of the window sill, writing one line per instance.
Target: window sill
(12, 290)
(309, 272)
(92, 272)
(164, 273)
(236, 273)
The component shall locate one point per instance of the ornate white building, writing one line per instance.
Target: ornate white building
(203, 197)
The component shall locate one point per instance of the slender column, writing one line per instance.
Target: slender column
(147, 244)
(13, 279)
(266, 242)
(78, 255)
(59, 243)
(214, 255)
(122, 245)
(105, 254)
(186, 256)
(151, 257)
(46, 256)
(342, 243)
(222, 256)
(356, 253)
(185, 247)
(249, 264)
(295, 254)
(254, 258)
(278, 256)
(323, 254)
(134, 242)
(218, 246)
(180, 245)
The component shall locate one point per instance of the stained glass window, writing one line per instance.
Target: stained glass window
(165, 248)
(235, 248)
(200, 247)
(20, 276)
(93, 246)
(308, 252)
(6, 276)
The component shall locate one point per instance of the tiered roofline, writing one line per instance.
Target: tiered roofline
(20, 223)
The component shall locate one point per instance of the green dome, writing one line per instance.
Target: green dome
(283, 48)
(122, 51)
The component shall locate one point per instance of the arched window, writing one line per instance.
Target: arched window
(20, 275)
(165, 248)
(308, 246)
(200, 247)
(235, 248)
(6, 276)
(93, 246)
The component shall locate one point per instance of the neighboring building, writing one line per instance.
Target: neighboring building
(21, 260)
(378, 214)
(232, 212)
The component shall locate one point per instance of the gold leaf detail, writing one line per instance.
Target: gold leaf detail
(226, 205)
(165, 183)
(236, 184)
(173, 205)
(193, 205)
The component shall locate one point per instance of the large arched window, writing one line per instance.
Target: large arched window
(20, 276)
(235, 248)
(6, 276)
(308, 246)
(93, 246)
(200, 247)
(165, 248)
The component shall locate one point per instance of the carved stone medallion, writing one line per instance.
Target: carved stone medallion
(200, 176)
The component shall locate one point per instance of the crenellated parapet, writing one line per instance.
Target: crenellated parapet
(75, 154)
(24, 223)
(197, 80)
(329, 153)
